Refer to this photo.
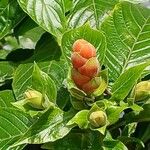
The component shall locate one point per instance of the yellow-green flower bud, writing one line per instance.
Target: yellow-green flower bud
(35, 98)
(98, 118)
(142, 90)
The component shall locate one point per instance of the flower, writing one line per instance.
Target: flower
(86, 67)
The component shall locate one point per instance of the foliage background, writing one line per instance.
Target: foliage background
(36, 39)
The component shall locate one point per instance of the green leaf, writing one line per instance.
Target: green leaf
(10, 15)
(5, 72)
(136, 1)
(114, 112)
(104, 83)
(27, 28)
(19, 55)
(76, 140)
(127, 35)
(23, 76)
(50, 127)
(126, 81)
(129, 129)
(80, 119)
(95, 37)
(13, 123)
(142, 116)
(6, 97)
(46, 49)
(114, 145)
(57, 70)
(43, 83)
(52, 16)
(126, 140)
(3, 54)
(89, 11)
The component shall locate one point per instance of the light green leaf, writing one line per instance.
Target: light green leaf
(23, 76)
(6, 97)
(126, 81)
(10, 15)
(43, 83)
(80, 119)
(50, 15)
(95, 37)
(91, 11)
(114, 112)
(3, 54)
(128, 37)
(13, 123)
(50, 127)
(104, 83)
(136, 1)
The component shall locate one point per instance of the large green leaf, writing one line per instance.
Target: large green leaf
(95, 37)
(50, 15)
(6, 97)
(80, 119)
(13, 123)
(127, 31)
(50, 127)
(126, 81)
(30, 76)
(23, 75)
(89, 11)
(43, 83)
(10, 15)
(76, 140)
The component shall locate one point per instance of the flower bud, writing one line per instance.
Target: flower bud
(85, 66)
(34, 98)
(142, 90)
(98, 118)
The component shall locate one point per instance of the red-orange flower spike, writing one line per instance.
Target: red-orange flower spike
(85, 66)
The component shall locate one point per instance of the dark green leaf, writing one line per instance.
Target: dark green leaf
(114, 145)
(46, 49)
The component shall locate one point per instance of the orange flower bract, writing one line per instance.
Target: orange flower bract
(85, 66)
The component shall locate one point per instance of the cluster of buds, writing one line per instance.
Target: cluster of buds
(86, 67)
